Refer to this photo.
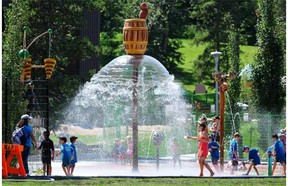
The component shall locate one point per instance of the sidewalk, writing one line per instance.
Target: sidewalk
(146, 169)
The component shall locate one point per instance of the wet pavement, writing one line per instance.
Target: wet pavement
(146, 168)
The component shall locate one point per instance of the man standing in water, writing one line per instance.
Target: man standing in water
(29, 139)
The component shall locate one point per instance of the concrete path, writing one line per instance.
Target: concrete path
(146, 169)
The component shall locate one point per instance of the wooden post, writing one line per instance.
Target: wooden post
(135, 62)
(135, 40)
(223, 86)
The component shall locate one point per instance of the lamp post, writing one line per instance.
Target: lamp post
(216, 56)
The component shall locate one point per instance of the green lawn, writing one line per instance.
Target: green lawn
(247, 55)
(155, 181)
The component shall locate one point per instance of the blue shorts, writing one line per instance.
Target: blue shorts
(280, 159)
(256, 161)
(66, 162)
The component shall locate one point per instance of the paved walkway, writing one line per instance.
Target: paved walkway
(146, 169)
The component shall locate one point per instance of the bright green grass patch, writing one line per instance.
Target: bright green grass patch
(190, 53)
(156, 181)
(247, 55)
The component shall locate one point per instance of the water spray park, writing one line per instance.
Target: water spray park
(134, 96)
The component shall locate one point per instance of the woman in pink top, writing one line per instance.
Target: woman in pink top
(202, 147)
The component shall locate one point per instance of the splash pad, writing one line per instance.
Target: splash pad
(132, 90)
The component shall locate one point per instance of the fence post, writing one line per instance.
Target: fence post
(269, 161)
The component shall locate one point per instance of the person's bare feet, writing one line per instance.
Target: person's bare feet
(201, 175)
(212, 174)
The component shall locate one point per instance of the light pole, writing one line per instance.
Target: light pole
(216, 56)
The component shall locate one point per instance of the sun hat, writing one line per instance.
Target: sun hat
(26, 117)
(236, 134)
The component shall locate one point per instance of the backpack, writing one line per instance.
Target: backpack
(18, 136)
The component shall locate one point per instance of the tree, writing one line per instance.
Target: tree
(112, 20)
(233, 122)
(268, 93)
(162, 28)
(12, 96)
(280, 18)
(213, 19)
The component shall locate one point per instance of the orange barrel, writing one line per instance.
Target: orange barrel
(135, 36)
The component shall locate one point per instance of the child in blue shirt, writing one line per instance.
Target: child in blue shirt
(253, 157)
(233, 152)
(278, 153)
(67, 155)
(74, 160)
(214, 152)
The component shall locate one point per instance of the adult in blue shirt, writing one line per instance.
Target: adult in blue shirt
(278, 154)
(254, 159)
(29, 138)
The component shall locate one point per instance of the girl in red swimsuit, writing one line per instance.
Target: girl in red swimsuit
(203, 147)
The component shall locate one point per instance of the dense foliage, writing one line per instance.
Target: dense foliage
(268, 92)
(269, 64)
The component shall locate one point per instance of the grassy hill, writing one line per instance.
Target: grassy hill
(191, 52)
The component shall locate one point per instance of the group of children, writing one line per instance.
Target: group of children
(68, 152)
(123, 150)
(279, 152)
(253, 157)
